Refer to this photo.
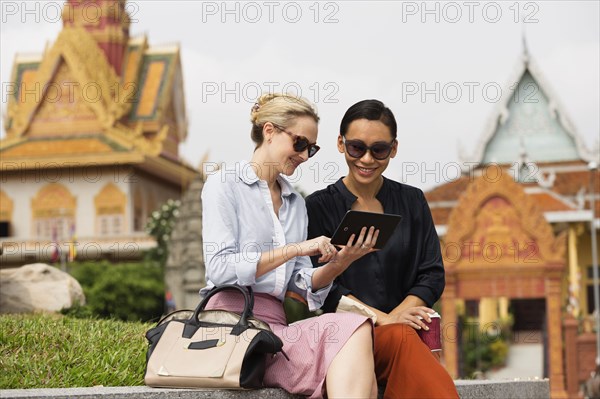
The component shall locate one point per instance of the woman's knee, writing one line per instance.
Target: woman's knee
(366, 328)
(364, 333)
(397, 335)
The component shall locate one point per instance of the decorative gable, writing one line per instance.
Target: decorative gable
(65, 108)
(75, 56)
(498, 224)
(530, 125)
(529, 122)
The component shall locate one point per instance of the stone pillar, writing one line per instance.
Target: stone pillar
(503, 304)
(571, 367)
(488, 311)
(555, 343)
(184, 272)
(574, 279)
(450, 338)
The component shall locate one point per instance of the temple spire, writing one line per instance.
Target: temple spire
(524, 42)
(107, 21)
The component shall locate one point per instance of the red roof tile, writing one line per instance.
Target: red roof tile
(449, 191)
(569, 183)
(440, 215)
(548, 203)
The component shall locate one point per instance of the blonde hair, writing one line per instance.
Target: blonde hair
(279, 109)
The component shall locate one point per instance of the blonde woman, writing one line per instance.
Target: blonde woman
(254, 231)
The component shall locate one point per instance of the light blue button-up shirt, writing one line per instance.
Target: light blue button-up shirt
(239, 224)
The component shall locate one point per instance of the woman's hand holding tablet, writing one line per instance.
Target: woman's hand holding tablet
(357, 222)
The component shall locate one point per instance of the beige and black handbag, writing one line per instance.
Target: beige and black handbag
(210, 348)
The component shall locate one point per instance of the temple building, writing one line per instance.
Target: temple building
(516, 231)
(93, 126)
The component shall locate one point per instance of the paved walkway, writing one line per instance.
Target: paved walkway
(525, 359)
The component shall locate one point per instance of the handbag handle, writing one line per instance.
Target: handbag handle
(242, 325)
(248, 288)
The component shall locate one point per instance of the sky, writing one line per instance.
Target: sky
(440, 66)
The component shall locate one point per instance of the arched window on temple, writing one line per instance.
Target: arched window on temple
(6, 211)
(53, 210)
(110, 211)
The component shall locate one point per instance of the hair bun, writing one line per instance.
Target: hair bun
(265, 98)
(262, 100)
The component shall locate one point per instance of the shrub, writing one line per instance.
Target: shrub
(160, 226)
(498, 353)
(482, 351)
(79, 312)
(128, 291)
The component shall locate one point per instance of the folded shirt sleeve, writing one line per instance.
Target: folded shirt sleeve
(301, 280)
(315, 229)
(225, 262)
(301, 283)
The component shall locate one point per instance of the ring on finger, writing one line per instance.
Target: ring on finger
(363, 246)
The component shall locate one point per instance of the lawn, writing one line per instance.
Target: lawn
(56, 351)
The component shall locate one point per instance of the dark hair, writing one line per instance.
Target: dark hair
(373, 110)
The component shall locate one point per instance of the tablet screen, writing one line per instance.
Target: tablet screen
(354, 221)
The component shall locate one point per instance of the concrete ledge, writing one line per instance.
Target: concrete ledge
(467, 389)
(143, 392)
(521, 389)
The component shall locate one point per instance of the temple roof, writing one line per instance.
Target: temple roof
(530, 134)
(159, 82)
(61, 146)
(529, 119)
(70, 102)
(566, 191)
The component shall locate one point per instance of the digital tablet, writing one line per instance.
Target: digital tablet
(354, 221)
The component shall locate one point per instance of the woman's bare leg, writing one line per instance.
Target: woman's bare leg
(351, 373)
(374, 388)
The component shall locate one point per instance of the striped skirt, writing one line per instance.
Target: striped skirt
(311, 344)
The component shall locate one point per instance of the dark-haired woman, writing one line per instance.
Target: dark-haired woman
(400, 282)
(254, 234)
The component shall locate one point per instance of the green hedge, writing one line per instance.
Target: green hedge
(55, 351)
(125, 291)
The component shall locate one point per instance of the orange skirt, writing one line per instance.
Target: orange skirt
(407, 367)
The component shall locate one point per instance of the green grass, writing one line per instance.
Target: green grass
(54, 351)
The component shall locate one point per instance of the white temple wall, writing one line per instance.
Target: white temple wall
(83, 183)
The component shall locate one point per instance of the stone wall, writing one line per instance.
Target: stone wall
(580, 356)
(184, 273)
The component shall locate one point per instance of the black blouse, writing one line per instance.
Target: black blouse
(409, 264)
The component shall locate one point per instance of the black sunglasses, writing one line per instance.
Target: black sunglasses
(301, 143)
(358, 148)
